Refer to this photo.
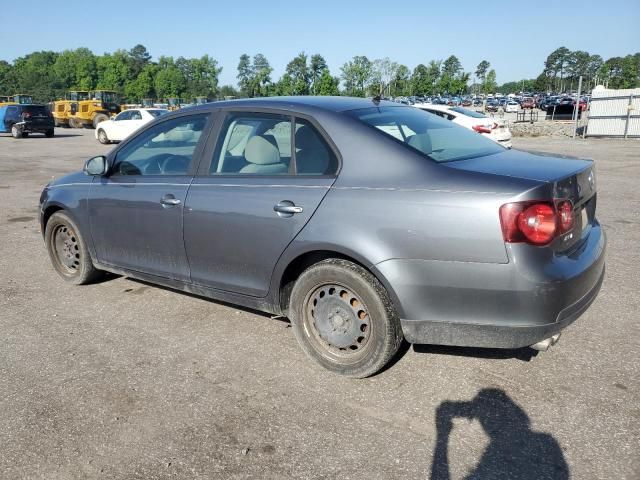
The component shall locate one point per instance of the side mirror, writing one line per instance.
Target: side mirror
(96, 166)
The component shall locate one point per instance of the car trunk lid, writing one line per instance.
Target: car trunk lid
(561, 178)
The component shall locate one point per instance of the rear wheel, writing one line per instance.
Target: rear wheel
(100, 117)
(343, 318)
(16, 132)
(74, 123)
(68, 250)
(102, 137)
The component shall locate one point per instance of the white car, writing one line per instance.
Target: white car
(125, 123)
(511, 107)
(492, 128)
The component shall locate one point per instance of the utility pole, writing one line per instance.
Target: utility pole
(576, 108)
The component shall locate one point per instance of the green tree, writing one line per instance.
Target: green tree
(490, 84)
(144, 84)
(481, 72)
(326, 84)
(300, 75)
(317, 67)
(261, 70)
(245, 75)
(34, 74)
(169, 81)
(228, 91)
(76, 69)
(140, 58)
(114, 70)
(356, 75)
(401, 85)
(6, 86)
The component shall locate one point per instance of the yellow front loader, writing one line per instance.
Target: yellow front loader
(98, 107)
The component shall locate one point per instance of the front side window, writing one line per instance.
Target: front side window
(165, 149)
(439, 139)
(253, 144)
(135, 115)
(126, 115)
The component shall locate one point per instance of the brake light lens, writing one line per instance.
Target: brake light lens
(26, 114)
(481, 129)
(537, 223)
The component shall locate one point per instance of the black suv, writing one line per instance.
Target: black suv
(22, 120)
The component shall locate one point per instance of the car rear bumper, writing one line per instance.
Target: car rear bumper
(495, 305)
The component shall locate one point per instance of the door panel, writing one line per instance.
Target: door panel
(133, 229)
(234, 237)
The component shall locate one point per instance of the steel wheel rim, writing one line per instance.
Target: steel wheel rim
(66, 248)
(337, 322)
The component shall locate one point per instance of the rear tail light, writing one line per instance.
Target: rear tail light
(495, 125)
(26, 115)
(537, 223)
(481, 129)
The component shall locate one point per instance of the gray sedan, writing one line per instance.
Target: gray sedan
(362, 221)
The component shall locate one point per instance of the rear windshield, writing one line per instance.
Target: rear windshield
(36, 109)
(468, 113)
(157, 113)
(439, 139)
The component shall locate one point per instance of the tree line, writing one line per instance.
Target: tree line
(47, 75)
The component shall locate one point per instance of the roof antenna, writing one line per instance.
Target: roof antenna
(377, 99)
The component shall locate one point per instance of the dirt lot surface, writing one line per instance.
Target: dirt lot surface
(125, 380)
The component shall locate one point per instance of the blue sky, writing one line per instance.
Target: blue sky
(507, 34)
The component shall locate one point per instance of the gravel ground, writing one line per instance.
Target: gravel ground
(129, 381)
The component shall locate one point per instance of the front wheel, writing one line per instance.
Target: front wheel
(16, 132)
(343, 318)
(68, 250)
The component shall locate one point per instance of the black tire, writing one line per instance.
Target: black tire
(343, 318)
(25, 134)
(49, 133)
(100, 117)
(102, 137)
(16, 132)
(68, 251)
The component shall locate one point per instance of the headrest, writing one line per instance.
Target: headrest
(261, 151)
(307, 138)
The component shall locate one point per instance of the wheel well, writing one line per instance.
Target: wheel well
(47, 214)
(299, 265)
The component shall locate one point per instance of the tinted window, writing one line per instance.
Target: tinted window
(126, 115)
(439, 139)
(165, 149)
(36, 110)
(157, 113)
(313, 155)
(253, 144)
(468, 113)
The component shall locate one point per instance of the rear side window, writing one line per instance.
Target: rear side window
(253, 144)
(36, 110)
(313, 155)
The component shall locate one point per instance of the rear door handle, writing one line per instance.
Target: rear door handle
(170, 201)
(287, 208)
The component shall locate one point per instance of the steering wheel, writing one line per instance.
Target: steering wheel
(161, 161)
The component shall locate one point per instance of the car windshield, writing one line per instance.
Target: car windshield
(439, 139)
(158, 112)
(468, 113)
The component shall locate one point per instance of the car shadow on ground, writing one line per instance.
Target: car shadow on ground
(514, 451)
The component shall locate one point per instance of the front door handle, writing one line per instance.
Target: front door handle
(286, 208)
(170, 201)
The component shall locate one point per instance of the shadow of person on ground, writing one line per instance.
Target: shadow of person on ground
(514, 451)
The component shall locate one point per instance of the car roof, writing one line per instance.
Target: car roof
(299, 103)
